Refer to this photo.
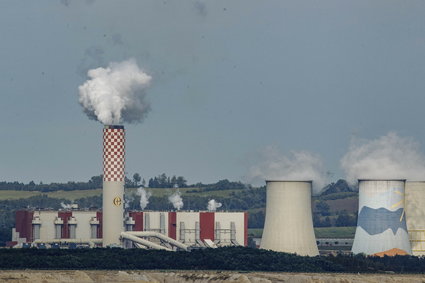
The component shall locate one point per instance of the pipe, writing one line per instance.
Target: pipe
(159, 236)
(127, 235)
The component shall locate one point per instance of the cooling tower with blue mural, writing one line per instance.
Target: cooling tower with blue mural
(381, 225)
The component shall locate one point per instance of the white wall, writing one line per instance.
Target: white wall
(83, 223)
(47, 229)
(189, 219)
(225, 218)
(155, 224)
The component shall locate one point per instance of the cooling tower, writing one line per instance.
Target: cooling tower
(113, 184)
(289, 225)
(415, 216)
(381, 224)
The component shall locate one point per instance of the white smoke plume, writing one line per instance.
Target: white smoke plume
(213, 205)
(116, 94)
(66, 205)
(295, 166)
(128, 198)
(144, 197)
(387, 157)
(176, 200)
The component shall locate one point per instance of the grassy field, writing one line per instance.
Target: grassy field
(335, 232)
(163, 192)
(321, 232)
(73, 195)
(10, 195)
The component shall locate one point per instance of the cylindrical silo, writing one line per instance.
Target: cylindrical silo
(415, 216)
(381, 224)
(289, 224)
(113, 184)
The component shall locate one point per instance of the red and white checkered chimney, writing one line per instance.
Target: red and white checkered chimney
(113, 184)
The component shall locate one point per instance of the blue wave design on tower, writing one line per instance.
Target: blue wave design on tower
(376, 221)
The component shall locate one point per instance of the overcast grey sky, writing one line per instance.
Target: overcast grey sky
(229, 78)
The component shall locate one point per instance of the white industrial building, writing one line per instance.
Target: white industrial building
(193, 229)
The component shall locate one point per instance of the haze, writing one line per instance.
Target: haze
(229, 79)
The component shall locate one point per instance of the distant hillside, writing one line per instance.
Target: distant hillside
(341, 186)
(336, 206)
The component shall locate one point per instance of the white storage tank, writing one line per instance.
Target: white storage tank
(289, 224)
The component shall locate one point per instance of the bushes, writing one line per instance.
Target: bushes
(230, 258)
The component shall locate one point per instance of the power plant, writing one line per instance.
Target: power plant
(164, 230)
(415, 216)
(385, 220)
(381, 225)
(288, 225)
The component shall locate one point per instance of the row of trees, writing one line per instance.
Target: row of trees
(228, 258)
(162, 181)
(94, 183)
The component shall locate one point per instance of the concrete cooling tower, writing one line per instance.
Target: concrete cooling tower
(415, 216)
(289, 225)
(113, 184)
(381, 224)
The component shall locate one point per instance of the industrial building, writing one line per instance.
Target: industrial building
(192, 229)
(288, 225)
(381, 225)
(415, 216)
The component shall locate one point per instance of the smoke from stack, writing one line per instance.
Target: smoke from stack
(213, 205)
(66, 206)
(387, 157)
(144, 197)
(127, 200)
(297, 165)
(116, 94)
(176, 200)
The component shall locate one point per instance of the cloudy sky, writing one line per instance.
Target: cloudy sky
(229, 79)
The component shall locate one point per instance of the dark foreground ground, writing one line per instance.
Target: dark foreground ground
(232, 258)
(90, 276)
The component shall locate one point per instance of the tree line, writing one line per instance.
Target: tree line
(227, 258)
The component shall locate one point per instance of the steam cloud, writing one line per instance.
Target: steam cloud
(176, 200)
(66, 205)
(213, 205)
(297, 165)
(69, 205)
(116, 94)
(128, 199)
(388, 157)
(144, 197)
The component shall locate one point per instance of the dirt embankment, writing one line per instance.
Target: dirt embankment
(48, 276)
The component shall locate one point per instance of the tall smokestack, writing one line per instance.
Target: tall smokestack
(381, 224)
(113, 184)
(289, 224)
